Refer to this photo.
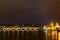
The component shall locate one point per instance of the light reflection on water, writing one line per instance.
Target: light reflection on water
(30, 35)
(52, 35)
(58, 35)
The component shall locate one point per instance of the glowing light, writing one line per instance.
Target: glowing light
(44, 27)
(59, 36)
(57, 25)
(52, 26)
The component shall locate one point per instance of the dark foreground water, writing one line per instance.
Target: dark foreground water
(30, 35)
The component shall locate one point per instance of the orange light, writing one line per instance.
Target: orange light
(57, 25)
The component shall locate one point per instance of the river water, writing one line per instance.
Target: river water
(30, 35)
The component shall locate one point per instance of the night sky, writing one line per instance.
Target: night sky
(28, 11)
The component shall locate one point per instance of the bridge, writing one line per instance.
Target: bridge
(20, 28)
